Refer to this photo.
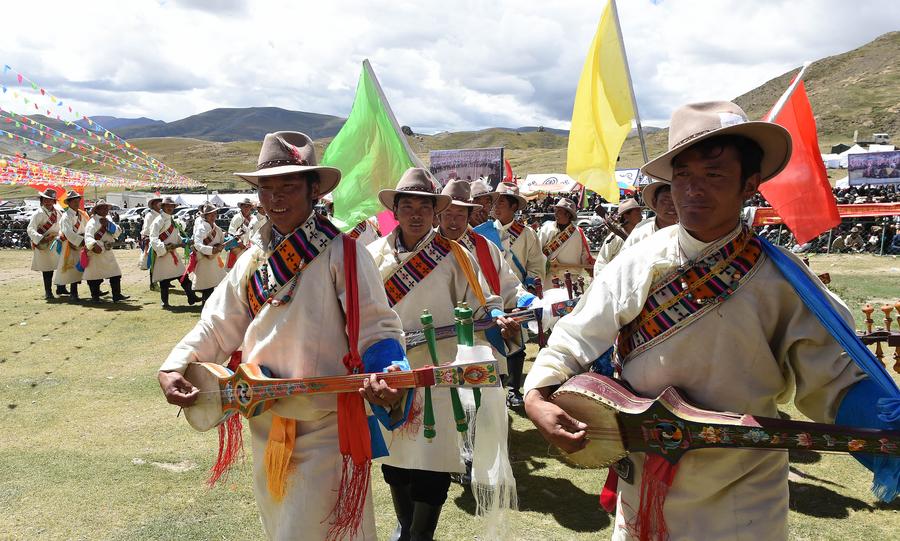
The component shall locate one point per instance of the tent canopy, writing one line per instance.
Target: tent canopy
(548, 183)
(197, 199)
(232, 199)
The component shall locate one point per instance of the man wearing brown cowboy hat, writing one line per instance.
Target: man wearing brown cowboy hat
(69, 269)
(287, 305)
(43, 228)
(239, 228)
(166, 240)
(518, 242)
(658, 197)
(564, 243)
(627, 217)
(206, 262)
(421, 269)
(707, 307)
(99, 236)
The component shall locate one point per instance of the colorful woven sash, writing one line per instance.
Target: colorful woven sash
(416, 268)
(288, 260)
(556, 242)
(680, 297)
(514, 231)
(358, 230)
(43, 228)
(163, 236)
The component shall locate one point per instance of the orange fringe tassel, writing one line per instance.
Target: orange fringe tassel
(277, 458)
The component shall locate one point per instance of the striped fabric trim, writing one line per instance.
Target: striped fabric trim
(514, 231)
(416, 268)
(677, 299)
(51, 220)
(556, 242)
(289, 258)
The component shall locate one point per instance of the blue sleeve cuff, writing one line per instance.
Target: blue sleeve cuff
(525, 300)
(378, 358)
(529, 281)
(866, 405)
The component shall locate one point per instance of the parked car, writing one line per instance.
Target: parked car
(134, 214)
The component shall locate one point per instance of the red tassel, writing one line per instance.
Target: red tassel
(192, 266)
(608, 494)
(232, 259)
(413, 423)
(656, 480)
(231, 438)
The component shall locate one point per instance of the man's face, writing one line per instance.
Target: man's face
(154, 206)
(101, 211)
(505, 209)
(480, 215)
(415, 215)
(665, 209)
(454, 221)
(288, 199)
(168, 208)
(562, 216)
(631, 218)
(210, 218)
(245, 210)
(47, 203)
(707, 192)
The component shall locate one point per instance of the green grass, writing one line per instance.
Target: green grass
(90, 449)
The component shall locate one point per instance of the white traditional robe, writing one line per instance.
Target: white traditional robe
(210, 266)
(71, 230)
(439, 292)
(612, 245)
(43, 258)
(527, 249)
(571, 256)
(168, 263)
(104, 264)
(369, 234)
(302, 338)
(641, 231)
(256, 222)
(760, 347)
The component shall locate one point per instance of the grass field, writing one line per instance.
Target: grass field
(90, 450)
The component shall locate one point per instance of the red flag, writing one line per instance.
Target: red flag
(801, 193)
(509, 176)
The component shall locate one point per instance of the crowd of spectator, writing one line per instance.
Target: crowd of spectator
(852, 195)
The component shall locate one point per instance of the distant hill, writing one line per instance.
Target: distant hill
(115, 123)
(246, 124)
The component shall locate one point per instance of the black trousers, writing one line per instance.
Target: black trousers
(429, 487)
(515, 363)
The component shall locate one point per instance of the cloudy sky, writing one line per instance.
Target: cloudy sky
(448, 65)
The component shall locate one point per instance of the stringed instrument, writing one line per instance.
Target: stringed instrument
(620, 422)
(249, 391)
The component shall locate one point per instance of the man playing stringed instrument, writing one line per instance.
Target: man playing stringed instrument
(564, 243)
(709, 308)
(289, 307)
(493, 267)
(43, 228)
(206, 262)
(69, 269)
(240, 229)
(420, 270)
(166, 238)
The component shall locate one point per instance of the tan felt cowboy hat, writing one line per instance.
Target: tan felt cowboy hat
(568, 205)
(648, 193)
(49, 193)
(695, 122)
(153, 199)
(480, 187)
(460, 193)
(415, 181)
(98, 204)
(505, 188)
(72, 194)
(207, 208)
(287, 152)
(627, 205)
(246, 201)
(168, 201)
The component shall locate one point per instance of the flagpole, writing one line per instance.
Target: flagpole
(637, 116)
(779, 105)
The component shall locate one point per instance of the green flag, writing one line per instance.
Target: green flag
(370, 151)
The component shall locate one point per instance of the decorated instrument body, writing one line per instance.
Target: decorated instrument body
(620, 422)
(250, 390)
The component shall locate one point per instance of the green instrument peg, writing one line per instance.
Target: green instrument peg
(428, 408)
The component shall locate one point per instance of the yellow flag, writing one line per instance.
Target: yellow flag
(602, 115)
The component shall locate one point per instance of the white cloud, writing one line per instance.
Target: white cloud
(444, 65)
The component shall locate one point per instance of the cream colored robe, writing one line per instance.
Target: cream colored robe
(149, 216)
(66, 273)
(168, 262)
(369, 234)
(208, 272)
(242, 229)
(104, 264)
(753, 351)
(43, 258)
(438, 292)
(571, 256)
(612, 245)
(303, 338)
(527, 248)
(641, 231)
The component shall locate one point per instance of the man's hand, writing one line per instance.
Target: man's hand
(217, 248)
(178, 390)
(554, 424)
(378, 392)
(509, 327)
(97, 249)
